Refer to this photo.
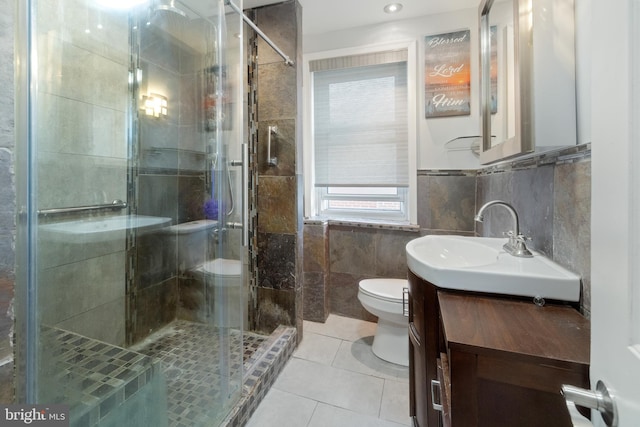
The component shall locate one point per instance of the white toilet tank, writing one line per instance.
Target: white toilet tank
(192, 242)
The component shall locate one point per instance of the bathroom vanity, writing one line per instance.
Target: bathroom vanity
(485, 360)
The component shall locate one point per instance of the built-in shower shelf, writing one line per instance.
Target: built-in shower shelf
(168, 160)
(174, 150)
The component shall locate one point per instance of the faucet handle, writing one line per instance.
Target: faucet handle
(522, 238)
(520, 249)
(513, 237)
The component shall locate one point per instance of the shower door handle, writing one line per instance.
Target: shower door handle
(245, 194)
(244, 163)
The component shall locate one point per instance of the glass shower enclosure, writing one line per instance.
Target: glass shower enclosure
(131, 252)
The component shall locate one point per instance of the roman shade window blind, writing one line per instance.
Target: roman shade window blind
(360, 125)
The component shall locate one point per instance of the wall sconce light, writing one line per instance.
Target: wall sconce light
(154, 105)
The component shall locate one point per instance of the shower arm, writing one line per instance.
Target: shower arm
(249, 22)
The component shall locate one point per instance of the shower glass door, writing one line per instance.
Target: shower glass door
(130, 240)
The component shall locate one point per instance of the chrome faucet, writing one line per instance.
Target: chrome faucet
(516, 243)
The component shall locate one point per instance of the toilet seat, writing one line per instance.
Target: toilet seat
(384, 289)
(223, 267)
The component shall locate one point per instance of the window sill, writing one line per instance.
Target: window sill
(364, 223)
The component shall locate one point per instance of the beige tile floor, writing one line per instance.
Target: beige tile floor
(334, 379)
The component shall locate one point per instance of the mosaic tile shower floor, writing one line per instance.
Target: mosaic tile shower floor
(187, 351)
(173, 372)
(92, 377)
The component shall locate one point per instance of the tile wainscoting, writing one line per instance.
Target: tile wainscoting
(551, 193)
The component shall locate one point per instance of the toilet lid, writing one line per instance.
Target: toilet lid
(385, 289)
(223, 267)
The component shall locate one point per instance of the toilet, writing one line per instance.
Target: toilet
(222, 277)
(384, 298)
(190, 240)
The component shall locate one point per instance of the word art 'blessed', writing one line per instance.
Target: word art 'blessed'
(447, 74)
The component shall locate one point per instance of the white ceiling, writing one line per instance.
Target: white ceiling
(319, 16)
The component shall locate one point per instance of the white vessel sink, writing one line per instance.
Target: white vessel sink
(101, 228)
(479, 264)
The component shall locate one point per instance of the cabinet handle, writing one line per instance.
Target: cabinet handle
(437, 406)
(405, 302)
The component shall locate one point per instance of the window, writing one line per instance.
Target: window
(361, 136)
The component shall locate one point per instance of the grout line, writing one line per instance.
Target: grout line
(384, 383)
(317, 402)
(315, 408)
(335, 356)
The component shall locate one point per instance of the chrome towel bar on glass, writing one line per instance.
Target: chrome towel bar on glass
(115, 205)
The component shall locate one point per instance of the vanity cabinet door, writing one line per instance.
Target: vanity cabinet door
(423, 351)
(417, 361)
(507, 360)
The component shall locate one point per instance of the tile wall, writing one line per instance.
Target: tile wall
(279, 197)
(81, 123)
(337, 255)
(171, 178)
(551, 194)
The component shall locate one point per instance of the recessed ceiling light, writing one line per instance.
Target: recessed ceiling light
(393, 8)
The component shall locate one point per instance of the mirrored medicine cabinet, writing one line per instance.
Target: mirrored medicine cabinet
(527, 77)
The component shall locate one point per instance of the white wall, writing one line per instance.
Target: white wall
(583, 69)
(433, 133)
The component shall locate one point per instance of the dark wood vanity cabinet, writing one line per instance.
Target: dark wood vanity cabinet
(491, 361)
(423, 350)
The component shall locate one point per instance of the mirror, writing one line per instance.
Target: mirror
(527, 77)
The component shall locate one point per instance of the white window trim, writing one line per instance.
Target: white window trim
(390, 216)
(412, 122)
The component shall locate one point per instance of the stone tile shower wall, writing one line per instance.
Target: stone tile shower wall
(7, 200)
(82, 160)
(170, 181)
(278, 298)
(174, 182)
